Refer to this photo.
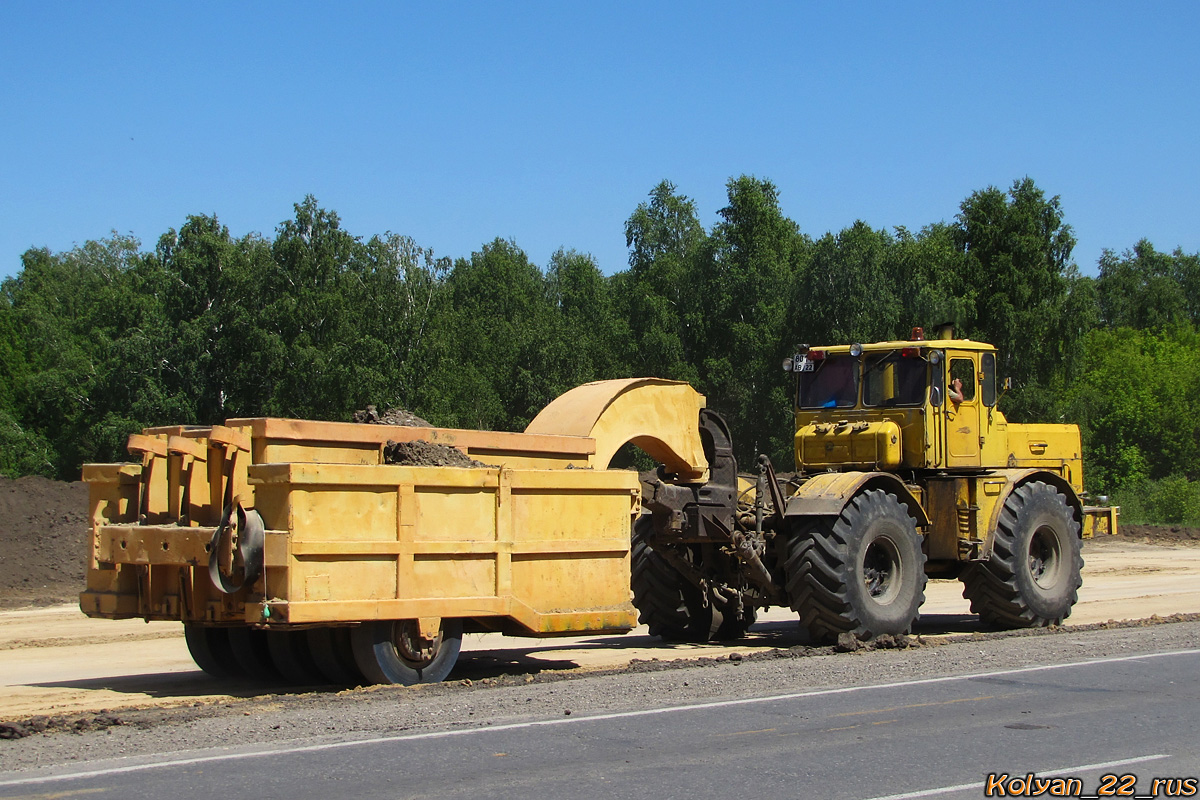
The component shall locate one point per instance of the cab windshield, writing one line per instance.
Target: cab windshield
(831, 382)
(889, 379)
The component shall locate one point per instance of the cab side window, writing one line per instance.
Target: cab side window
(987, 365)
(963, 369)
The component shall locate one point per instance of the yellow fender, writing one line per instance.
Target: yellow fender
(825, 495)
(661, 417)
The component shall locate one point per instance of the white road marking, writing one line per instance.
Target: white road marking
(962, 787)
(573, 720)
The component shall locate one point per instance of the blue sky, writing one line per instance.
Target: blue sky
(548, 123)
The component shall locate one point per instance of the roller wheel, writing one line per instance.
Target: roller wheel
(393, 652)
(334, 655)
(291, 655)
(667, 603)
(862, 572)
(1032, 578)
(211, 651)
(253, 654)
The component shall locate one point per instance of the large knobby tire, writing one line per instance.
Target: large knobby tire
(671, 606)
(861, 573)
(392, 651)
(1032, 578)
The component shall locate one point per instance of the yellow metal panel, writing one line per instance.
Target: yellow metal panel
(546, 515)
(280, 440)
(553, 582)
(451, 575)
(1046, 446)
(1100, 521)
(455, 513)
(367, 513)
(846, 442)
(152, 544)
(273, 502)
(619, 480)
(993, 428)
(351, 577)
(347, 610)
(273, 451)
(618, 620)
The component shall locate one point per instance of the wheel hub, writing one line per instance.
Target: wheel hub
(1044, 557)
(881, 570)
(411, 646)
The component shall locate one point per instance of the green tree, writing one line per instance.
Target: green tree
(1018, 250)
(22, 451)
(745, 280)
(659, 295)
(845, 294)
(1144, 288)
(590, 340)
(1137, 399)
(490, 366)
(929, 273)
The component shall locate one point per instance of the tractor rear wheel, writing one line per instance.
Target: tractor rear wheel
(1032, 578)
(671, 606)
(862, 572)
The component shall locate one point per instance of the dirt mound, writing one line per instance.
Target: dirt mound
(43, 541)
(393, 416)
(420, 453)
(1159, 534)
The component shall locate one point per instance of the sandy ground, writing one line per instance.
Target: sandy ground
(56, 661)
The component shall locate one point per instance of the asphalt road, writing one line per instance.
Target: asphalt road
(937, 735)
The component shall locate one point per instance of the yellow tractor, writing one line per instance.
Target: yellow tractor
(304, 552)
(905, 468)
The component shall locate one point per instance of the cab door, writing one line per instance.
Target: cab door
(962, 410)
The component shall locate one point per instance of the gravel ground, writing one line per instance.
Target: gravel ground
(382, 711)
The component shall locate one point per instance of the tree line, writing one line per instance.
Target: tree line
(316, 322)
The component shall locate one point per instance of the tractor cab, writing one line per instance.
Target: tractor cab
(917, 404)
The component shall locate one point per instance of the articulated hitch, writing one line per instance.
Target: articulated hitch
(706, 514)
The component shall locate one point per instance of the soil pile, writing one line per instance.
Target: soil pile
(420, 453)
(1159, 534)
(393, 416)
(43, 541)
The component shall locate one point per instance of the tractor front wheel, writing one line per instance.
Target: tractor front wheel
(1032, 577)
(862, 572)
